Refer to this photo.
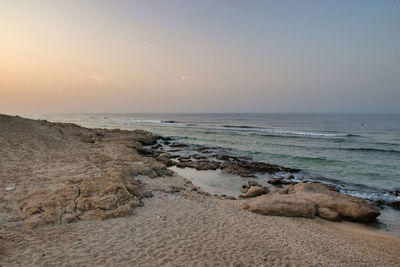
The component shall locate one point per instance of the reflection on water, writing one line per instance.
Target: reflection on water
(214, 182)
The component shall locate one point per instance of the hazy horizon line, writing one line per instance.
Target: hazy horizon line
(230, 112)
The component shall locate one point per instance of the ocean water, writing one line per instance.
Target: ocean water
(358, 152)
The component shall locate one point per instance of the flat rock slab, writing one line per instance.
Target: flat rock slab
(113, 195)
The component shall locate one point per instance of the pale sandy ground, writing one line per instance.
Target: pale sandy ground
(172, 228)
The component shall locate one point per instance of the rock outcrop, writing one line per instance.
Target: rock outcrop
(323, 200)
(348, 207)
(229, 164)
(113, 195)
(281, 205)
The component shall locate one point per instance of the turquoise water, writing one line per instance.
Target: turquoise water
(359, 152)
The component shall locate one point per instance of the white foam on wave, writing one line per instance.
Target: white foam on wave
(138, 121)
(263, 130)
(305, 133)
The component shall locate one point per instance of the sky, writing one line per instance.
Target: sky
(199, 56)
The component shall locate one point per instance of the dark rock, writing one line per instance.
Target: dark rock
(276, 181)
(198, 157)
(233, 168)
(290, 170)
(156, 146)
(223, 157)
(280, 181)
(395, 205)
(178, 145)
(184, 159)
(174, 150)
(379, 203)
(173, 189)
(201, 164)
(395, 193)
(205, 150)
(147, 152)
(248, 169)
(231, 158)
(163, 138)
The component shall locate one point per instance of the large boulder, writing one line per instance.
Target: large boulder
(308, 200)
(348, 207)
(281, 205)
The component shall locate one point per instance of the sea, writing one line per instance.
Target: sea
(360, 153)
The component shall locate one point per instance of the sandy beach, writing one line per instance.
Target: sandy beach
(87, 197)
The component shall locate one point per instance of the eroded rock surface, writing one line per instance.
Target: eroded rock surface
(74, 173)
(322, 200)
(281, 205)
(348, 207)
(113, 195)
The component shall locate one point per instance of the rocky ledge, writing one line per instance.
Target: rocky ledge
(204, 159)
(112, 195)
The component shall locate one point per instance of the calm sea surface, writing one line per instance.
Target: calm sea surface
(360, 153)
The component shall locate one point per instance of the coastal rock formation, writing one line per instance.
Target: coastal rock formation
(395, 193)
(279, 181)
(348, 207)
(249, 168)
(328, 214)
(166, 159)
(113, 195)
(321, 199)
(198, 165)
(229, 164)
(254, 191)
(281, 205)
(178, 145)
(66, 172)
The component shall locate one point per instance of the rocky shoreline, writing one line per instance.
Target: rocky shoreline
(116, 192)
(173, 153)
(284, 197)
(92, 192)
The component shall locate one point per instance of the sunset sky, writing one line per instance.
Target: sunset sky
(199, 56)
